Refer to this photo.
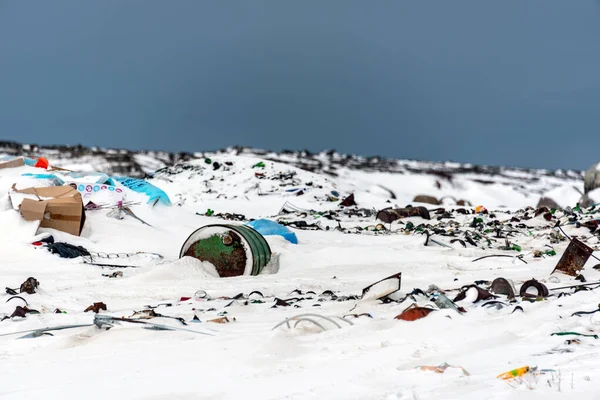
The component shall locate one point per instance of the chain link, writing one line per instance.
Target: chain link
(112, 256)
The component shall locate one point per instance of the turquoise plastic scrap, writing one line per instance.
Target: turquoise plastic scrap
(270, 228)
(56, 179)
(100, 177)
(141, 186)
(30, 161)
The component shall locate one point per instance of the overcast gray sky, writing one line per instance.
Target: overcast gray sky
(493, 82)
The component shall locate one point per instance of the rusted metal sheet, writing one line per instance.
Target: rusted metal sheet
(413, 312)
(574, 258)
(389, 215)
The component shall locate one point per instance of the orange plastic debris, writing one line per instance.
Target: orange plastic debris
(515, 373)
(42, 163)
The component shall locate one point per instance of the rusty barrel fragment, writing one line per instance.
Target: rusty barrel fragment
(542, 290)
(503, 286)
(389, 215)
(234, 250)
(574, 258)
(414, 312)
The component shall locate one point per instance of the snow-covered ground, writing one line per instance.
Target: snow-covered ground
(375, 358)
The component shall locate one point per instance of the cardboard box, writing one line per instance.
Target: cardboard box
(17, 162)
(57, 207)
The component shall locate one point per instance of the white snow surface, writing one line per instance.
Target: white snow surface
(376, 358)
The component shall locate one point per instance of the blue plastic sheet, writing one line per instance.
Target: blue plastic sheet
(141, 186)
(90, 177)
(95, 181)
(270, 228)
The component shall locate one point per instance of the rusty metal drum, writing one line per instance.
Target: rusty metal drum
(234, 250)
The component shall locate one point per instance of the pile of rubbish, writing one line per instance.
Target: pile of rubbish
(237, 246)
(217, 176)
(61, 198)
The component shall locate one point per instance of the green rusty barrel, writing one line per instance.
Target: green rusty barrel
(234, 250)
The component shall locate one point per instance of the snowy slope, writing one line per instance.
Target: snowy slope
(493, 186)
(376, 358)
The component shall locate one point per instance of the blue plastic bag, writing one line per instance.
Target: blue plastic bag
(142, 186)
(269, 228)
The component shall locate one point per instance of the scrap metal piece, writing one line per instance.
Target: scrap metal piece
(503, 286)
(574, 258)
(389, 215)
(383, 287)
(289, 208)
(482, 294)
(96, 307)
(29, 285)
(517, 308)
(349, 201)
(107, 321)
(414, 312)
(303, 317)
(428, 240)
(542, 290)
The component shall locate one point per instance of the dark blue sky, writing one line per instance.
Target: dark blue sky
(494, 82)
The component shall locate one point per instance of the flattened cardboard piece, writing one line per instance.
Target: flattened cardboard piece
(48, 192)
(17, 162)
(53, 168)
(57, 207)
(40, 193)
